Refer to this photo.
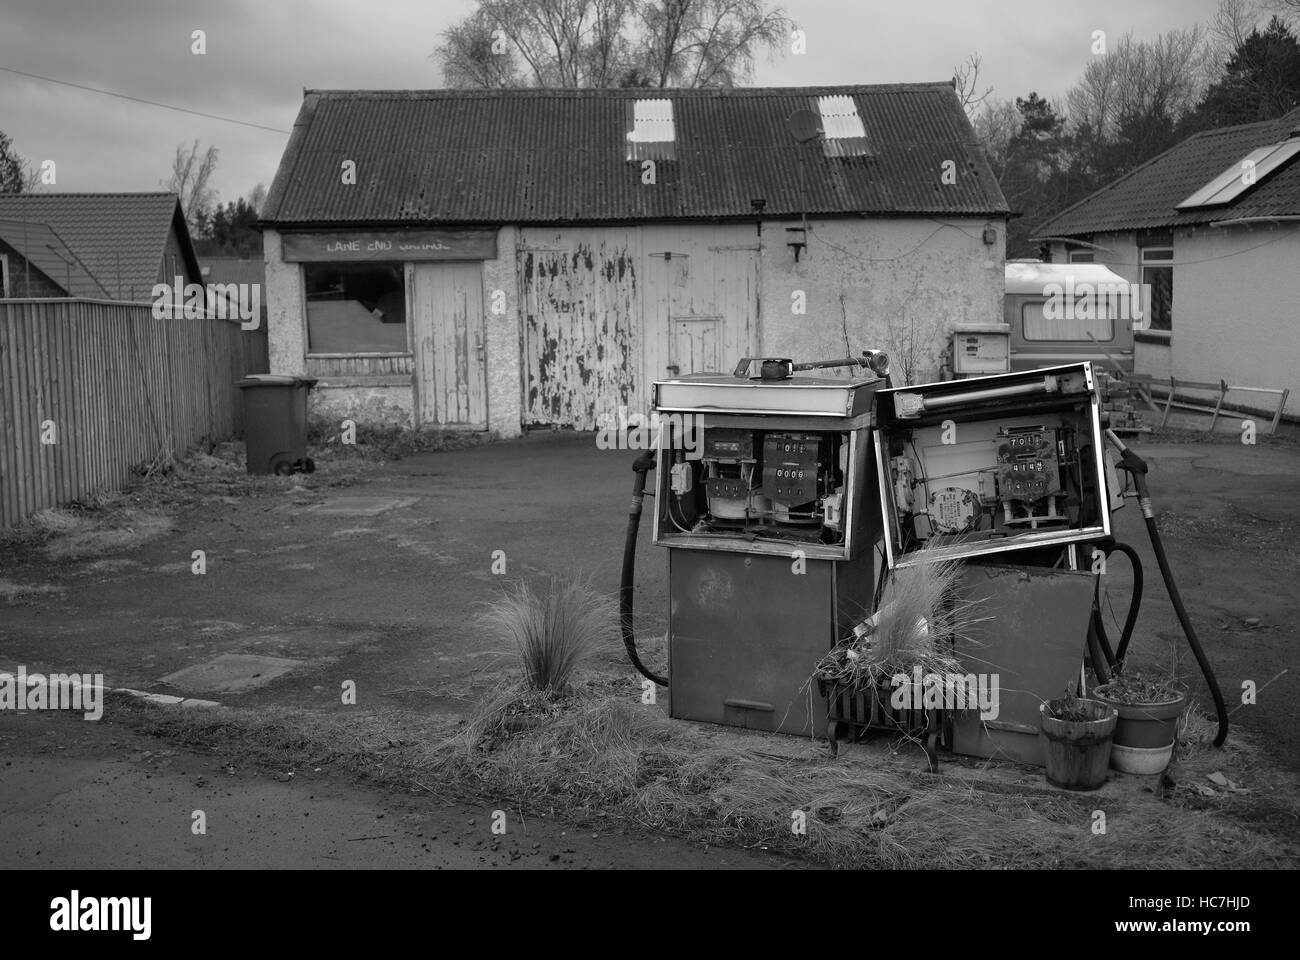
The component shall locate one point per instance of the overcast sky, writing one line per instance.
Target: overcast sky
(261, 54)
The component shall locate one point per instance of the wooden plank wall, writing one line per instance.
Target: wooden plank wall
(114, 387)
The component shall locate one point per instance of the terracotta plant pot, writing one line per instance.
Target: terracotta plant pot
(1076, 753)
(1145, 735)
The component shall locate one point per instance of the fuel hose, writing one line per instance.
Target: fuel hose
(1106, 661)
(643, 465)
(1137, 467)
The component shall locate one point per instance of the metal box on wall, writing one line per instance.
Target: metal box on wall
(980, 349)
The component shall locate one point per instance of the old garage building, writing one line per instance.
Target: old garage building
(510, 258)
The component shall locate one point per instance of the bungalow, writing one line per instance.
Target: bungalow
(109, 246)
(1213, 226)
(502, 259)
(36, 263)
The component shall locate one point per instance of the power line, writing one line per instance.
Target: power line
(152, 103)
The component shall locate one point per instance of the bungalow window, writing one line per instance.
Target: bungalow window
(1158, 272)
(355, 308)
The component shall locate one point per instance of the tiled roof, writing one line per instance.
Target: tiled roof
(1146, 197)
(45, 250)
(233, 270)
(120, 237)
(554, 156)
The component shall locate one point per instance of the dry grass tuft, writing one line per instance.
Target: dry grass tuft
(552, 630)
(919, 621)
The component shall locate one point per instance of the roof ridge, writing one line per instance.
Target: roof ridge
(616, 92)
(1114, 184)
(39, 194)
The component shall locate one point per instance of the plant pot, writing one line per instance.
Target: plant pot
(1076, 753)
(1145, 735)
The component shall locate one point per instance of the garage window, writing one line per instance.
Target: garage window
(355, 308)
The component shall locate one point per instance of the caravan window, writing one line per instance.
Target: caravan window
(1068, 324)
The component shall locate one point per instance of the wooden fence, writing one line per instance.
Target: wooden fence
(90, 389)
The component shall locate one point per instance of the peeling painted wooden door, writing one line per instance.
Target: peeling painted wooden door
(701, 308)
(696, 345)
(450, 352)
(579, 320)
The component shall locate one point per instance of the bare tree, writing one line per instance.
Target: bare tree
(543, 43)
(997, 122)
(1141, 79)
(15, 171)
(31, 177)
(192, 169)
(965, 80)
(1288, 10)
(1231, 24)
(707, 43)
(1234, 20)
(257, 197)
(476, 53)
(609, 43)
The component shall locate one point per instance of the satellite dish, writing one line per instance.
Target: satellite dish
(805, 125)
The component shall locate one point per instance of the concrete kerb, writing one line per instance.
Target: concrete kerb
(163, 700)
(158, 699)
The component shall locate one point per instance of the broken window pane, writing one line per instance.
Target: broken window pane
(355, 308)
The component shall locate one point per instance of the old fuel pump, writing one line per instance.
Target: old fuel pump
(776, 489)
(765, 499)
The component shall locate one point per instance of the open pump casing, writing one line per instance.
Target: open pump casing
(771, 550)
(990, 465)
(1023, 456)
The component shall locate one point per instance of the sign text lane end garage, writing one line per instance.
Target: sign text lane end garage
(390, 245)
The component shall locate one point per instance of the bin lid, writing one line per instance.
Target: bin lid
(273, 380)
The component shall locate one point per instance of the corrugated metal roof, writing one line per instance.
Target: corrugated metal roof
(120, 237)
(1146, 198)
(554, 156)
(45, 250)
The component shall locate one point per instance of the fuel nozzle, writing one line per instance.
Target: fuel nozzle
(878, 361)
(1137, 467)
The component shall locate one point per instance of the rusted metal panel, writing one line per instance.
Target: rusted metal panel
(119, 385)
(581, 305)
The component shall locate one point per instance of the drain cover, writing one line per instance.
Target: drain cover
(361, 506)
(230, 673)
